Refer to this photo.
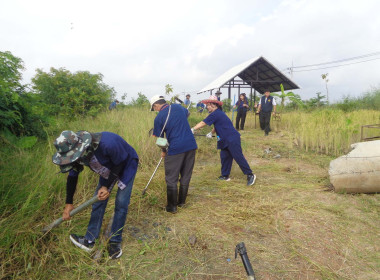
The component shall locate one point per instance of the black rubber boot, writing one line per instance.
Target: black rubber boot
(172, 196)
(182, 195)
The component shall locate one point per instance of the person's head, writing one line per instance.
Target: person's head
(117, 101)
(71, 147)
(212, 103)
(242, 96)
(267, 93)
(187, 96)
(218, 93)
(156, 102)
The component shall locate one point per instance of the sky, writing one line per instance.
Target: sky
(140, 46)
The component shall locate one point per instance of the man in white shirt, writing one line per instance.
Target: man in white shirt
(267, 105)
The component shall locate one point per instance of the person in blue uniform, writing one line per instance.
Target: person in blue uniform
(180, 154)
(187, 101)
(242, 108)
(116, 162)
(200, 107)
(113, 105)
(267, 106)
(229, 141)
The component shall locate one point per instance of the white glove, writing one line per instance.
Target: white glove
(209, 135)
(192, 130)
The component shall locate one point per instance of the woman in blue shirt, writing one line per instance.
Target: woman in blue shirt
(115, 161)
(242, 108)
(229, 141)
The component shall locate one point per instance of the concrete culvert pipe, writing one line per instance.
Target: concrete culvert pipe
(359, 170)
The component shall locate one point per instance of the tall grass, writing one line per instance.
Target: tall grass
(32, 192)
(328, 131)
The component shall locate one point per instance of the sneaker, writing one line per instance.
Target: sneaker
(82, 242)
(251, 179)
(114, 250)
(224, 178)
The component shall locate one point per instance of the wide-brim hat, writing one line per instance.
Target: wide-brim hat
(213, 99)
(71, 146)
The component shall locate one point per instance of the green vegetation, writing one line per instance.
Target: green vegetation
(329, 131)
(291, 227)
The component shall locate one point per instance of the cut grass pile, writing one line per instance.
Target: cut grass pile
(293, 228)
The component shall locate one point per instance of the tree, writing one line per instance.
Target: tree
(140, 101)
(316, 101)
(168, 89)
(72, 94)
(290, 95)
(324, 77)
(227, 105)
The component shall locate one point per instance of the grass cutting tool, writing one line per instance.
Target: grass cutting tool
(155, 170)
(75, 211)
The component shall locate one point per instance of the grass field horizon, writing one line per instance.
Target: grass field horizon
(292, 225)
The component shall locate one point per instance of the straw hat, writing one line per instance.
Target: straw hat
(213, 99)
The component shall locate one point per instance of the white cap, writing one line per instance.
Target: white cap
(154, 99)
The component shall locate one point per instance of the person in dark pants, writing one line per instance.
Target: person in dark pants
(267, 105)
(242, 108)
(180, 155)
(115, 161)
(229, 141)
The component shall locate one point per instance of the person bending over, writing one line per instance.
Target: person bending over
(115, 161)
(229, 141)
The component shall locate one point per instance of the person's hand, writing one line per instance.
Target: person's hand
(234, 106)
(103, 193)
(209, 135)
(245, 105)
(163, 154)
(66, 212)
(258, 112)
(274, 113)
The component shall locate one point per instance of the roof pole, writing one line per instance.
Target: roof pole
(229, 90)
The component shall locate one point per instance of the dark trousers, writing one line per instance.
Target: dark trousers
(233, 152)
(240, 118)
(265, 121)
(179, 168)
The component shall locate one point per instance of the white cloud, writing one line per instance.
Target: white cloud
(142, 45)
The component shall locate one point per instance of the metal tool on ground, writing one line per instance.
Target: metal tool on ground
(155, 170)
(75, 211)
(242, 251)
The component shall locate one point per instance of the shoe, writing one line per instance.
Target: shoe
(182, 195)
(224, 178)
(114, 250)
(266, 134)
(82, 242)
(172, 197)
(251, 179)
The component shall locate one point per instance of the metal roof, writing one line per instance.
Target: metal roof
(257, 73)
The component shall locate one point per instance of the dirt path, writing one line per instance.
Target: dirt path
(293, 228)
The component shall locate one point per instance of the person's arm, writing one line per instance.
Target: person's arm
(71, 185)
(274, 105)
(199, 125)
(259, 108)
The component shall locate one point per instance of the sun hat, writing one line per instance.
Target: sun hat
(154, 99)
(213, 99)
(71, 146)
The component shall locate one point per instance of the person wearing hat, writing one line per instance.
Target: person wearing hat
(115, 161)
(267, 104)
(242, 108)
(187, 101)
(171, 120)
(229, 142)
